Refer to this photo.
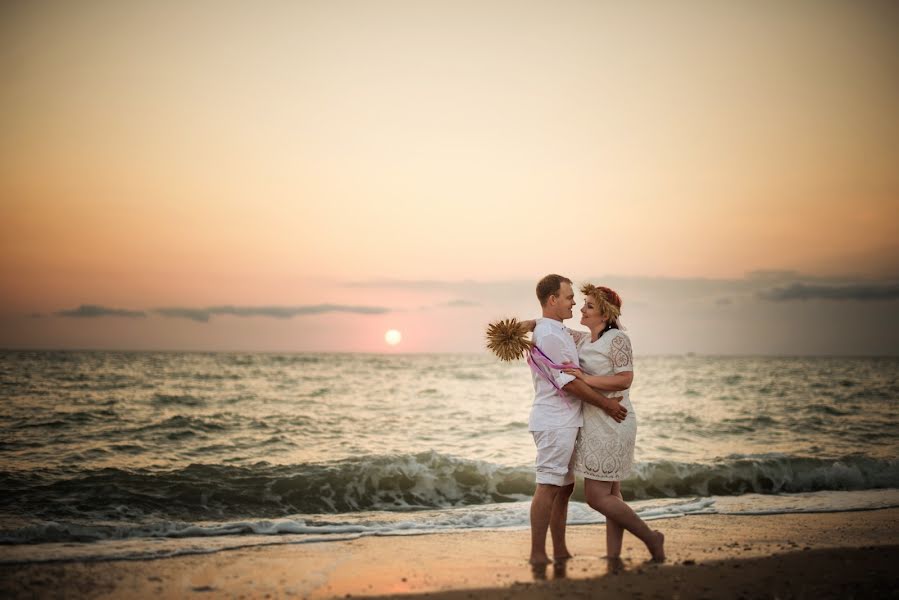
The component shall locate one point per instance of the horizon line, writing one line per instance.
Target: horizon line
(438, 352)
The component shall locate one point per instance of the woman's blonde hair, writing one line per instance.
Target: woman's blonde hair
(607, 300)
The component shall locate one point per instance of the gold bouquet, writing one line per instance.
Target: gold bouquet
(508, 340)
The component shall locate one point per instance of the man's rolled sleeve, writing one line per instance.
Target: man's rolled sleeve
(554, 347)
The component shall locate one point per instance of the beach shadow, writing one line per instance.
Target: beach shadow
(824, 574)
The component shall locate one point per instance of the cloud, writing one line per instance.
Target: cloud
(451, 304)
(203, 315)
(277, 312)
(194, 314)
(859, 291)
(460, 303)
(772, 275)
(422, 284)
(93, 311)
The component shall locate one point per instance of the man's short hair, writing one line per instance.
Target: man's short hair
(550, 286)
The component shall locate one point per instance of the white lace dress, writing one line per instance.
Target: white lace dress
(605, 448)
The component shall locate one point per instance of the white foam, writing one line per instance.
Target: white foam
(174, 539)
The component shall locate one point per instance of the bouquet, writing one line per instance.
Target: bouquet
(508, 340)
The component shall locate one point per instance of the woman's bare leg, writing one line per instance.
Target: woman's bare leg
(614, 531)
(600, 497)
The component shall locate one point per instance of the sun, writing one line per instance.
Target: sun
(393, 337)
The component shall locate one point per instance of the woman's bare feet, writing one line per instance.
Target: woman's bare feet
(657, 546)
(564, 556)
(539, 559)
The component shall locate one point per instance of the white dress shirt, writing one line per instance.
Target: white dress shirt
(551, 411)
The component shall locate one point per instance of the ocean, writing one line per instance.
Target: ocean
(132, 455)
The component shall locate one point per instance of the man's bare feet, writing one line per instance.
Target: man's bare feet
(539, 559)
(657, 546)
(564, 556)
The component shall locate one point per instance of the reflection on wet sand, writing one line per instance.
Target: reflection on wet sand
(613, 566)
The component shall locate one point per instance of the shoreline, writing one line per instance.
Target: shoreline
(709, 555)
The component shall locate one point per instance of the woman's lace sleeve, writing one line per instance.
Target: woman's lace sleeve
(621, 354)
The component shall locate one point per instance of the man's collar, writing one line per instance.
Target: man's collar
(553, 322)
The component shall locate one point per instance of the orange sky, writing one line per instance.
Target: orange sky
(211, 153)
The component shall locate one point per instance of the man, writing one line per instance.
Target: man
(554, 420)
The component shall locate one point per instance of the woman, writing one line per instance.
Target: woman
(604, 451)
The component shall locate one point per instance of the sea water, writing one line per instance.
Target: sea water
(139, 454)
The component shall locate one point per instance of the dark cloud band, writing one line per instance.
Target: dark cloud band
(861, 292)
(93, 311)
(276, 312)
(203, 315)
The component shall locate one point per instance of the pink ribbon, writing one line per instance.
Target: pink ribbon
(536, 357)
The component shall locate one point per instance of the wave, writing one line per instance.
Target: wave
(496, 516)
(765, 474)
(405, 482)
(161, 400)
(41, 542)
(395, 483)
(75, 532)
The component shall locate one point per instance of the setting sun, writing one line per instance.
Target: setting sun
(393, 337)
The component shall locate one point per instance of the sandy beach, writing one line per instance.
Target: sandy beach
(826, 555)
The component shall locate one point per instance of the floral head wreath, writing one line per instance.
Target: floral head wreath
(605, 307)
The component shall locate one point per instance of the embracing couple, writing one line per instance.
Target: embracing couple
(582, 419)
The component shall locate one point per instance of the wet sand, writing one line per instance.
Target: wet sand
(827, 555)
